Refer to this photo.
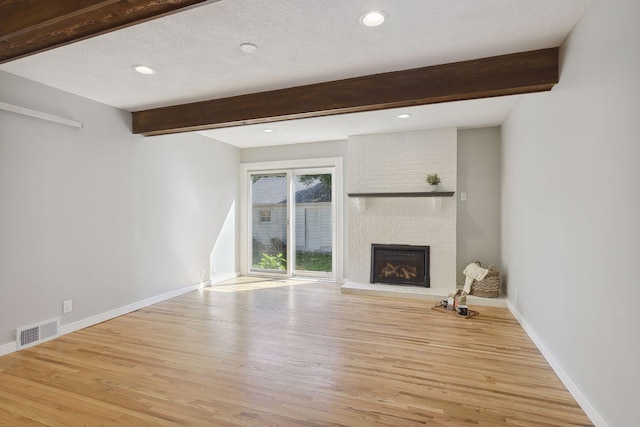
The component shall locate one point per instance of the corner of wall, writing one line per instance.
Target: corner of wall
(557, 367)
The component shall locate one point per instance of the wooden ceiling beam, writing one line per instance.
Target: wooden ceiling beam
(32, 26)
(512, 74)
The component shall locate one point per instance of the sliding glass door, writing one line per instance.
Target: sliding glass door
(292, 222)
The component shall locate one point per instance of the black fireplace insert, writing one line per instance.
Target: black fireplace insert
(400, 264)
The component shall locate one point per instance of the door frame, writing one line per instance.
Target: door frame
(245, 217)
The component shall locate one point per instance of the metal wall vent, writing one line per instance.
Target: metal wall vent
(37, 333)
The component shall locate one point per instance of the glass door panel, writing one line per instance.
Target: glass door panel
(269, 222)
(313, 223)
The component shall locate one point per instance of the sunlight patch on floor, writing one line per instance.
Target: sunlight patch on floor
(252, 283)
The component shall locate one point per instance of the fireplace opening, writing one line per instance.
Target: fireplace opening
(400, 264)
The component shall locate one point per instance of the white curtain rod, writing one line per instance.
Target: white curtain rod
(39, 115)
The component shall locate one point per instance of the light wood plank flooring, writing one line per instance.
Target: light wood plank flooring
(259, 353)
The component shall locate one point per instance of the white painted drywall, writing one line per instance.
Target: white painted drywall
(478, 221)
(98, 215)
(310, 150)
(570, 209)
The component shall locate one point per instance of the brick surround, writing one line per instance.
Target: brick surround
(399, 162)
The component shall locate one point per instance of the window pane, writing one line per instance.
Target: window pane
(313, 222)
(269, 222)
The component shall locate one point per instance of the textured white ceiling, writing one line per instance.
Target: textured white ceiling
(197, 55)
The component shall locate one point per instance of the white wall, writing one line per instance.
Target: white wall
(99, 215)
(310, 150)
(570, 209)
(478, 222)
(185, 188)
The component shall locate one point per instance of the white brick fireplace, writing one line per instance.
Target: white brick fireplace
(400, 162)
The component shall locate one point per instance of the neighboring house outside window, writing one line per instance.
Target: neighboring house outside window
(265, 216)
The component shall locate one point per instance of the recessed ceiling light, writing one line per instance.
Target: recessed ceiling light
(404, 116)
(144, 69)
(269, 130)
(248, 48)
(373, 18)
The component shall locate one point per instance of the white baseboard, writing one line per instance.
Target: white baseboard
(220, 279)
(108, 315)
(7, 348)
(575, 391)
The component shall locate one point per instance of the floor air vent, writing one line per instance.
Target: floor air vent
(31, 335)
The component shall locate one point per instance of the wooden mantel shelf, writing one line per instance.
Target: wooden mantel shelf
(411, 194)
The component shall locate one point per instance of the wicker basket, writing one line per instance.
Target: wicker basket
(489, 287)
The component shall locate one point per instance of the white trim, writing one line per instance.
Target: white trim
(108, 315)
(291, 238)
(216, 280)
(338, 196)
(39, 115)
(7, 348)
(291, 164)
(573, 388)
(244, 233)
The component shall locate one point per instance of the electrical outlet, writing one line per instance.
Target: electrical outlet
(67, 306)
(213, 270)
(463, 196)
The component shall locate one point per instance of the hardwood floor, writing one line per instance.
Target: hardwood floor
(260, 353)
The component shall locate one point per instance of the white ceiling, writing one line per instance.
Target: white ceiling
(197, 57)
(466, 114)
